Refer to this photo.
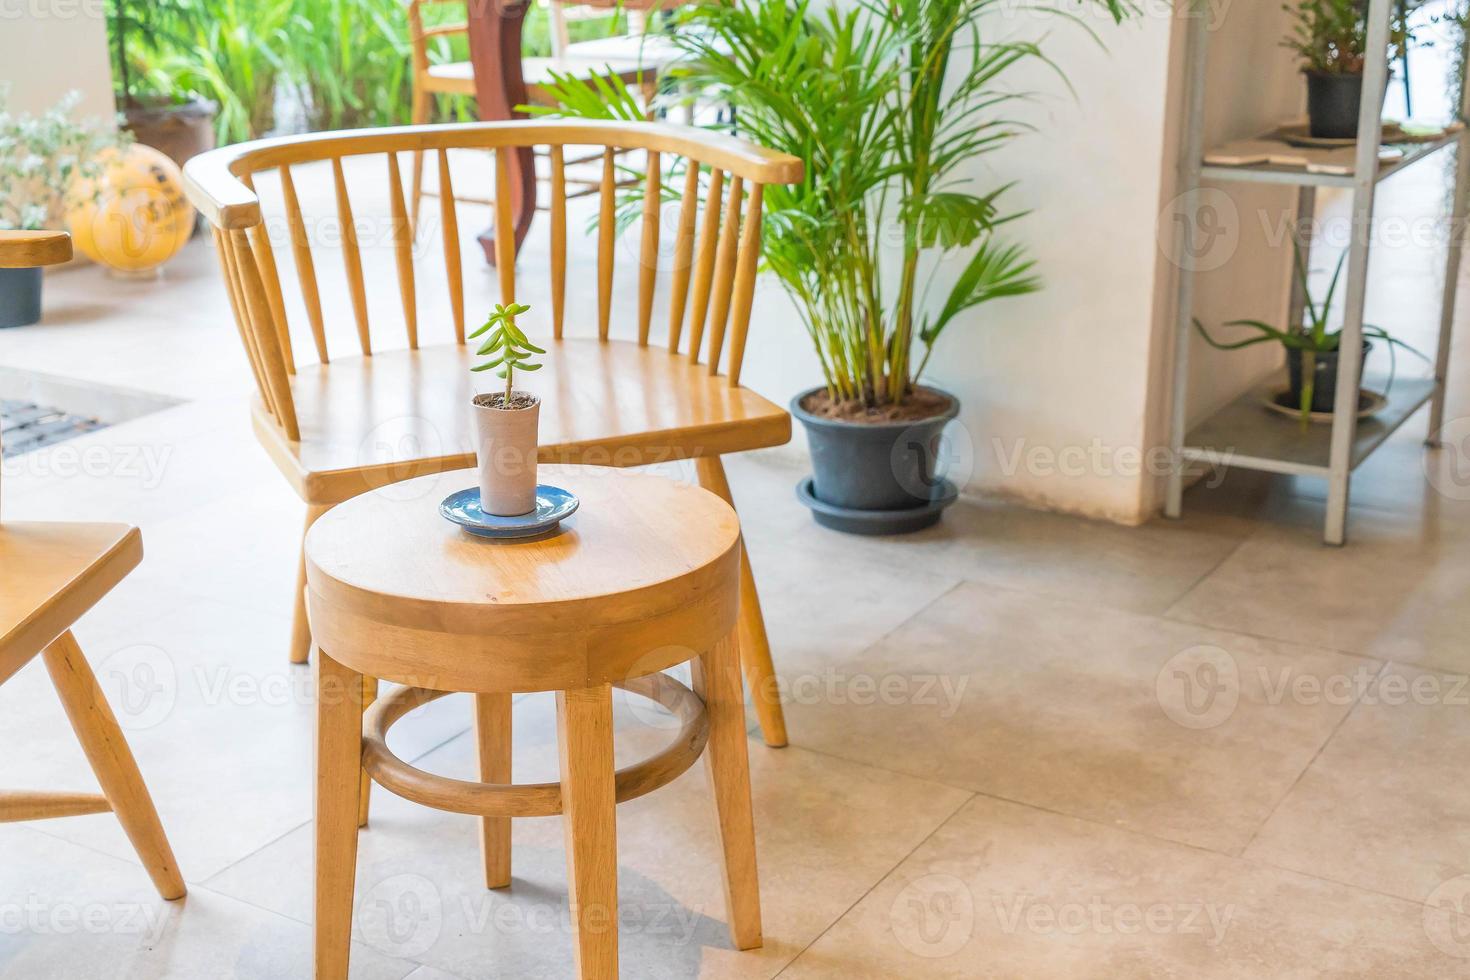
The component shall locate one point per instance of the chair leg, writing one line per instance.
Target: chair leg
(420, 116)
(338, 763)
(108, 753)
(365, 783)
(755, 648)
(589, 804)
(300, 629)
(493, 732)
(717, 681)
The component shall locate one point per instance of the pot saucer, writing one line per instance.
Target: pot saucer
(1370, 403)
(553, 505)
(855, 521)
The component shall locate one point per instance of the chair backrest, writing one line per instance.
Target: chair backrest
(419, 35)
(714, 257)
(634, 14)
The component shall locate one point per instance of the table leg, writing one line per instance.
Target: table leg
(727, 763)
(364, 781)
(589, 805)
(338, 763)
(492, 729)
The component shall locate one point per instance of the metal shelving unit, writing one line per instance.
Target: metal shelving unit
(1243, 433)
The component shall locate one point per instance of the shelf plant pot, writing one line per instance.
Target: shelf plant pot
(1333, 102)
(875, 477)
(179, 130)
(1324, 374)
(20, 297)
(505, 449)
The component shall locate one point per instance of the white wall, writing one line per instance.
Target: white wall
(49, 47)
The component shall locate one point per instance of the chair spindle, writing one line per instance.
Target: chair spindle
(724, 274)
(648, 252)
(505, 230)
(606, 238)
(453, 265)
(352, 259)
(403, 250)
(750, 249)
(558, 239)
(265, 257)
(305, 267)
(705, 265)
(683, 253)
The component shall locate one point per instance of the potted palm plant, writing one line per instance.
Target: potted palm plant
(1331, 38)
(506, 421)
(155, 107)
(47, 162)
(1312, 349)
(886, 101)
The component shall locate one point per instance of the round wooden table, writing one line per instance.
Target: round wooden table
(645, 575)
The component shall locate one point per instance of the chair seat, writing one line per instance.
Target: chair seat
(366, 422)
(52, 574)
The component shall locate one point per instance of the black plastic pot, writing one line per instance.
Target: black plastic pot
(875, 477)
(1324, 377)
(1333, 102)
(20, 297)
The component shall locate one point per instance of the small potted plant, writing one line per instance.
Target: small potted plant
(506, 421)
(44, 161)
(1312, 350)
(1331, 38)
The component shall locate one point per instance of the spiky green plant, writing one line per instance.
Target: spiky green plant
(886, 101)
(1312, 336)
(514, 349)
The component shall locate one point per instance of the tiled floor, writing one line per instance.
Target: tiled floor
(1023, 745)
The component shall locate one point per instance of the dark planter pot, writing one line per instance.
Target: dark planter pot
(1324, 384)
(180, 130)
(20, 297)
(875, 478)
(1333, 102)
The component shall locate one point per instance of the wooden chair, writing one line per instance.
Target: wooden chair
(609, 402)
(636, 62)
(52, 574)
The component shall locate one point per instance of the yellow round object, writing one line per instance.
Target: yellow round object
(133, 216)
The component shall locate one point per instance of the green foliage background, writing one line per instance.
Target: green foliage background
(333, 64)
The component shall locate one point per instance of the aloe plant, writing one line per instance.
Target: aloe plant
(513, 348)
(1312, 336)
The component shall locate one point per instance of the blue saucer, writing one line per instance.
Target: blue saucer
(553, 505)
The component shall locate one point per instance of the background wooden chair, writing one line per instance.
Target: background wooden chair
(636, 58)
(608, 402)
(52, 574)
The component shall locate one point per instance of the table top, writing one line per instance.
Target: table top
(633, 532)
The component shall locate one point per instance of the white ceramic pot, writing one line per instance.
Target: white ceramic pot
(505, 446)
